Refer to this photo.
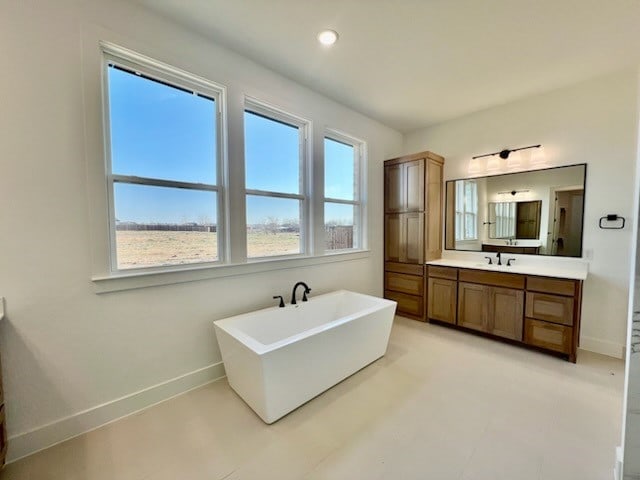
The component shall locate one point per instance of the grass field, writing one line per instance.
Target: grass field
(138, 249)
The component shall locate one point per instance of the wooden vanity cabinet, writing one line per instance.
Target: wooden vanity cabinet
(542, 312)
(412, 228)
(489, 304)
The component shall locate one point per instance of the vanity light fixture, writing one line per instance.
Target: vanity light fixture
(514, 160)
(474, 166)
(328, 37)
(504, 154)
(538, 156)
(512, 192)
(492, 163)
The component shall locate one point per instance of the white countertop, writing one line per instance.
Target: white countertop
(575, 271)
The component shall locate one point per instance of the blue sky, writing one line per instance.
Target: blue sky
(162, 132)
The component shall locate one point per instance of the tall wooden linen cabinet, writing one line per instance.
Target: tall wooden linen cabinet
(412, 228)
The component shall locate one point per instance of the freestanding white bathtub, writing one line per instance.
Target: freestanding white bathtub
(276, 359)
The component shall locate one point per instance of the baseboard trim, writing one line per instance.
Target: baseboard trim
(32, 441)
(617, 470)
(603, 347)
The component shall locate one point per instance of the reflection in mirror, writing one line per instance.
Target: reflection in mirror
(535, 212)
(513, 220)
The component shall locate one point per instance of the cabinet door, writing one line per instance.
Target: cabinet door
(442, 299)
(404, 238)
(393, 238)
(472, 306)
(413, 184)
(433, 241)
(394, 192)
(506, 309)
(413, 237)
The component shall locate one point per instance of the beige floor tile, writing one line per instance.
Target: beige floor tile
(441, 404)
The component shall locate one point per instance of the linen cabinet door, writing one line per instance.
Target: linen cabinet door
(473, 306)
(414, 185)
(393, 238)
(394, 190)
(506, 313)
(413, 237)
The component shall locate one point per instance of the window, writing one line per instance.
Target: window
(505, 217)
(342, 204)
(275, 153)
(163, 165)
(466, 210)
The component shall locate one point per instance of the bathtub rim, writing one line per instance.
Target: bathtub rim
(225, 324)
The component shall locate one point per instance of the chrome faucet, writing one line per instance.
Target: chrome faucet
(304, 295)
(499, 259)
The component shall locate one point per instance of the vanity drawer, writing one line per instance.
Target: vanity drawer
(556, 286)
(410, 304)
(552, 308)
(548, 335)
(411, 284)
(443, 272)
(499, 279)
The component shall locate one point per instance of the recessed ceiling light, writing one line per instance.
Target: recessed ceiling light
(328, 37)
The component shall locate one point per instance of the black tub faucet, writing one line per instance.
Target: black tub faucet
(304, 295)
(499, 260)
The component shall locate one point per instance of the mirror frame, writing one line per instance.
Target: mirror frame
(448, 231)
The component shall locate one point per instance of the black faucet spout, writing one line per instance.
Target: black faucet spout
(304, 295)
(499, 259)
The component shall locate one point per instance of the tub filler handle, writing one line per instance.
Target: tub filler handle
(281, 300)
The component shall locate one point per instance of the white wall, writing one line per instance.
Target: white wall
(69, 354)
(594, 122)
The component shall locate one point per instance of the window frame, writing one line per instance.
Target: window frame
(358, 202)
(257, 107)
(176, 78)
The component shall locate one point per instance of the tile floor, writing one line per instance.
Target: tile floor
(440, 405)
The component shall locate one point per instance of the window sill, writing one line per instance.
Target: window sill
(129, 281)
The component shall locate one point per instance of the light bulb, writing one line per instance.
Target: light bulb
(328, 37)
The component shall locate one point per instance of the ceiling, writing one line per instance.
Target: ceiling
(414, 63)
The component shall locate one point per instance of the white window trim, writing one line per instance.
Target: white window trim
(464, 213)
(115, 55)
(103, 280)
(359, 202)
(304, 128)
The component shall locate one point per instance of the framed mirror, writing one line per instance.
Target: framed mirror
(538, 212)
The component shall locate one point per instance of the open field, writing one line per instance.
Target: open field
(138, 249)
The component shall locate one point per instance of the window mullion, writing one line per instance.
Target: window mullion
(162, 183)
(266, 193)
(339, 200)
